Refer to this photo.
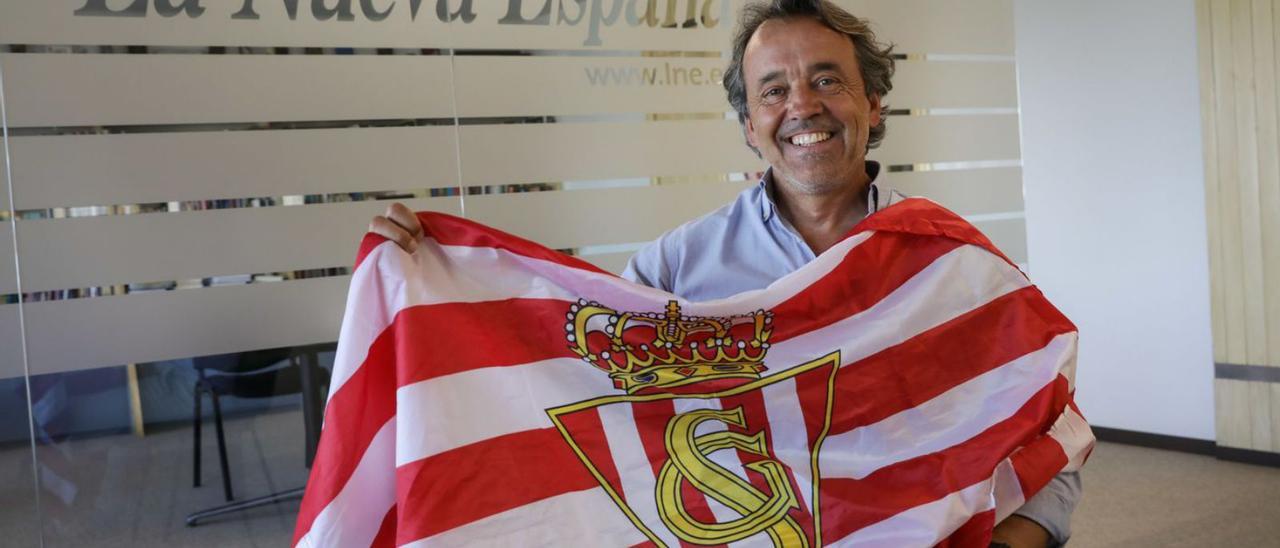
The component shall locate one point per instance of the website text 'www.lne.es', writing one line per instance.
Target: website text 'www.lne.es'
(663, 75)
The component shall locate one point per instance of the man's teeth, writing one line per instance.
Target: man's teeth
(806, 139)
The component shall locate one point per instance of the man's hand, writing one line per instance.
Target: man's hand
(399, 225)
(1019, 532)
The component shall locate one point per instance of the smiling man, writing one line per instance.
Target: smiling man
(807, 81)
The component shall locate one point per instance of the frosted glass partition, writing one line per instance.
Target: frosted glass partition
(20, 521)
(190, 185)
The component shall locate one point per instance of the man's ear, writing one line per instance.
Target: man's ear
(751, 133)
(875, 110)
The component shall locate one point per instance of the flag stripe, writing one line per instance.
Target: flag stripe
(792, 445)
(1007, 490)
(443, 274)
(580, 518)
(786, 287)
(353, 516)
(927, 300)
(923, 525)
(638, 479)
(923, 216)
(945, 356)
(372, 304)
(451, 230)
(456, 231)
(975, 532)
(457, 337)
(354, 415)
(589, 427)
(482, 479)
(1036, 463)
(1073, 434)
(849, 504)
(954, 416)
(516, 400)
(868, 273)
(386, 537)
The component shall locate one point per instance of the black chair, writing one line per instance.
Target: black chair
(259, 374)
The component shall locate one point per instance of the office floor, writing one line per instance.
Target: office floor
(1133, 496)
(1147, 497)
(135, 492)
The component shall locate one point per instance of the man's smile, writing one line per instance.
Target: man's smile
(810, 139)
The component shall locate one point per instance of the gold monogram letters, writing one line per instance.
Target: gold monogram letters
(690, 461)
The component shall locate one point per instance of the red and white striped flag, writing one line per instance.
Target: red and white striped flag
(909, 387)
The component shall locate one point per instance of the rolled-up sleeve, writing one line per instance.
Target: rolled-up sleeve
(1052, 506)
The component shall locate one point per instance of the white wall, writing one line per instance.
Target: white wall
(1113, 175)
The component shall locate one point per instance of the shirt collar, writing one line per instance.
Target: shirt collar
(767, 207)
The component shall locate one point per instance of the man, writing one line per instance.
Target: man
(807, 80)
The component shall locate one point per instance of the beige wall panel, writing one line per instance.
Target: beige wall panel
(95, 251)
(1229, 192)
(1267, 63)
(1260, 415)
(575, 218)
(87, 333)
(1232, 401)
(1275, 417)
(940, 26)
(964, 191)
(1222, 419)
(1247, 155)
(1209, 123)
(1009, 236)
(588, 85)
(54, 22)
(613, 262)
(954, 84)
(77, 90)
(71, 170)
(514, 153)
(918, 139)
(8, 272)
(10, 342)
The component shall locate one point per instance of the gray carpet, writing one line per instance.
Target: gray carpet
(1135, 496)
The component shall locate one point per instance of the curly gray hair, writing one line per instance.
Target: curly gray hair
(875, 59)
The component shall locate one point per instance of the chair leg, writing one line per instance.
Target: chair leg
(196, 419)
(222, 446)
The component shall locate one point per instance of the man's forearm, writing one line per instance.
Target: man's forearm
(1051, 507)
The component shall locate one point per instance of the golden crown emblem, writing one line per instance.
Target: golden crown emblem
(643, 352)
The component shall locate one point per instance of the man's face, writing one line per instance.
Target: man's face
(808, 113)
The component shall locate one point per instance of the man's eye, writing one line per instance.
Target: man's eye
(826, 82)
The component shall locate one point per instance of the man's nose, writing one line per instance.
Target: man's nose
(803, 103)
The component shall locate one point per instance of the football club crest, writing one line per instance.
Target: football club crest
(700, 448)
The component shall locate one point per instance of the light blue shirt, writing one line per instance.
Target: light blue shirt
(746, 245)
(742, 246)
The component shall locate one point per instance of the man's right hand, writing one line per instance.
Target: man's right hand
(399, 225)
